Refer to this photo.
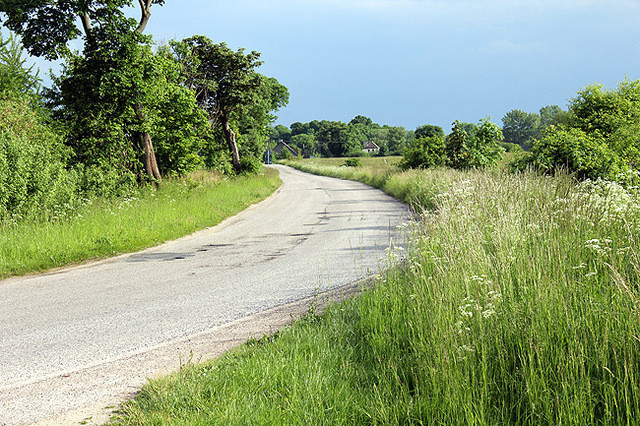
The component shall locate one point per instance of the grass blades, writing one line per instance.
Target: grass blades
(518, 302)
(150, 217)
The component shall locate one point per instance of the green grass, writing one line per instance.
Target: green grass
(518, 302)
(107, 228)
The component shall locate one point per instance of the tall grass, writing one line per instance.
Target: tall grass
(517, 302)
(148, 217)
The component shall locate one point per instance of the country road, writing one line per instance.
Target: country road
(73, 339)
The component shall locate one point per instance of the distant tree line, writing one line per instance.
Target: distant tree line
(123, 111)
(338, 139)
(597, 137)
(467, 146)
(523, 128)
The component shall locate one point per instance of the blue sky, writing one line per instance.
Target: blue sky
(413, 62)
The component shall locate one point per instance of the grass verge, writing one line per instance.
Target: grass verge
(518, 303)
(106, 228)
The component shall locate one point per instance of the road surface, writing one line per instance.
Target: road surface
(73, 339)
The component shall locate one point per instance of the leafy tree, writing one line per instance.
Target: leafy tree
(254, 123)
(391, 140)
(33, 163)
(552, 115)
(600, 137)
(225, 83)
(484, 147)
(16, 79)
(456, 149)
(429, 130)
(520, 127)
(425, 152)
(48, 27)
(480, 149)
(281, 132)
(305, 143)
(362, 120)
(333, 136)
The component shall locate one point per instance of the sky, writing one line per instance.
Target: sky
(414, 62)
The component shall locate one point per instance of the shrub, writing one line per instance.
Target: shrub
(425, 152)
(352, 162)
(600, 139)
(33, 174)
(588, 156)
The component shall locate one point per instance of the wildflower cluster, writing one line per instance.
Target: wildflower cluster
(473, 311)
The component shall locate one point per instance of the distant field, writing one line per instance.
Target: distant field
(369, 162)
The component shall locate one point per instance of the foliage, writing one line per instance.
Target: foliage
(588, 156)
(48, 27)
(480, 149)
(520, 128)
(113, 50)
(106, 100)
(511, 147)
(428, 131)
(552, 115)
(457, 149)
(425, 152)
(337, 139)
(16, 79)
(304, 143)
(353, 162)
(599, 138)
(237, 100)
(33, 175)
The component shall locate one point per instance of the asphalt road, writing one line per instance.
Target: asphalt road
(70, 338)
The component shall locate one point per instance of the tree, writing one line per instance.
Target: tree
(225, 83)
(520, 127)
(305, 143)
(456, 148)
(425, 152)
(480, 149)
(254, 123)
(429, 130)
(16, 79)
(48, 27)
(484, 147)
(552, 115)
(598, 138)
(334, 137)
(281, 132)
(361, 119)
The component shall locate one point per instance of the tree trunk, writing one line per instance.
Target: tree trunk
(148, 154)
(230, 136)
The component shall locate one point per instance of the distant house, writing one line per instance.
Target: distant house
(281, 150)
(371, 148)
(281, 147)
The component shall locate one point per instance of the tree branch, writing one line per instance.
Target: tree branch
(145, 9)
(88, 30)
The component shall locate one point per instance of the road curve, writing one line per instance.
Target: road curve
(61, 334)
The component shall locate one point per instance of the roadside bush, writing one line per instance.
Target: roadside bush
(600, 137)
(352, 162)
(588, 156)
(478, 149)
(424, 152)
(33, 176)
